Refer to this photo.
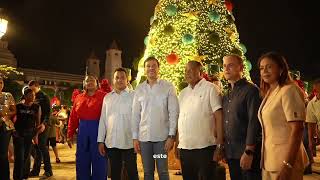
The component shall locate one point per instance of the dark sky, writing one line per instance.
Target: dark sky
(59, 35)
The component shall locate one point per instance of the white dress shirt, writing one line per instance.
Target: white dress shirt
(195, 124)
(313, 111)
(115, 120)
(155, 111)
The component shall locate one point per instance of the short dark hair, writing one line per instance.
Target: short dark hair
(33, 82)
(151, 58)
(236, 56)
(121, 70)
(27, 91)
(196, 64)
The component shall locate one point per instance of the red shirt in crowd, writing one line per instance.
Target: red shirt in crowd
(85, 107)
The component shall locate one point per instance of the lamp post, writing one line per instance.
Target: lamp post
(3, 23)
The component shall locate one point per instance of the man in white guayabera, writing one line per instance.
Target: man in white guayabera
(154, 119)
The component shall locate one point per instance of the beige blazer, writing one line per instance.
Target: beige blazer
(279, 107)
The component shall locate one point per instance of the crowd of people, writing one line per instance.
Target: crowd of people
(262, 132)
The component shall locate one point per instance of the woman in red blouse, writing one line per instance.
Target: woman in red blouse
(85, 115)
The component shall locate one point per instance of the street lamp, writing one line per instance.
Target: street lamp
(3, 23)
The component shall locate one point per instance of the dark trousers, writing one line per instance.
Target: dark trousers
(42, 153)
(198, 163)
(119, 156)
(22, 146)
(4, 163)
(308, 169)
(236, 173)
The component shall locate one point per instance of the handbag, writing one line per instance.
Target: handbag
(7, 123)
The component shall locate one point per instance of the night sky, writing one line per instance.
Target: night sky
(59, 35)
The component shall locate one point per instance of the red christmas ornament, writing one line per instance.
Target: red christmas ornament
(105, 86)
(55, 101)
(229, 5)
(172, 58)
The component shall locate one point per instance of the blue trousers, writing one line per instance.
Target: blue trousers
(90, 164)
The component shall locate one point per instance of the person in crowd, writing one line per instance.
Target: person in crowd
(41, 149)
(154, 119)
(115, 128)
(197, 123)
(7, 111)
(313, 117)
(63, 117)
(27, 128)
(242, 130)
(85, 115)
(53, 122)
(282, 115)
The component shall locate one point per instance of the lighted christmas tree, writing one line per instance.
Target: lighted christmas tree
(184, 30)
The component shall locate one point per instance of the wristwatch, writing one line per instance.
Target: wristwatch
(249, 152)
(172, 136)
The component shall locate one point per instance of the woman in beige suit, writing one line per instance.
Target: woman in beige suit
(281, 115)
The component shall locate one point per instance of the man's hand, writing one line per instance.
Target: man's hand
(169, 144)
(102, 149)
(176, 151)
(40, 128)
(218, 155)
(246, 161)
(136, 146)
(35, 139)
(70, 142)
(284, 173)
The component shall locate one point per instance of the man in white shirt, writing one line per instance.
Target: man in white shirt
(313, 116)
(200, 111)
(154, 119)
(115, 127)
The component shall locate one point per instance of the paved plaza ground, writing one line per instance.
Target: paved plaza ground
(66, 169)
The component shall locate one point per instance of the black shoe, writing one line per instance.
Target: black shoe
(47, 174)
(58, 160)
(33, 174)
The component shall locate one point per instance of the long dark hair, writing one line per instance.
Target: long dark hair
(281, 62)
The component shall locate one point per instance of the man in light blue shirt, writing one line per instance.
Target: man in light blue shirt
(115, 127)
(154, 119)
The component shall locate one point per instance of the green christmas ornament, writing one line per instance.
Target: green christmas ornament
(243, 47)
(146, 40)
(171, 10)
(248, 64)
(214, 38)
(187, 39)
(214, 16)
(168, 29)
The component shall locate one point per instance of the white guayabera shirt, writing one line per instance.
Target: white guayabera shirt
(155, 111)
(197, 106)
(115, 120)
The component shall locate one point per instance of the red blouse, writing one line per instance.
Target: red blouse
(85, 108)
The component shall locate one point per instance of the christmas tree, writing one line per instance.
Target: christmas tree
(184, 30)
